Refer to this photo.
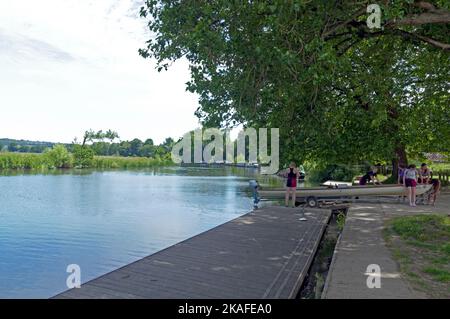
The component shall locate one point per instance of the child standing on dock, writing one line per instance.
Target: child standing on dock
(291, 184)
(410, 181)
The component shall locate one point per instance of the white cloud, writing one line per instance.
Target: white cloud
(67, 66)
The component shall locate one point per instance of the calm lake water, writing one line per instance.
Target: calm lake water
(104, 220)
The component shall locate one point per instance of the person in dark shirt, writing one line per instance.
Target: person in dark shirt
(291, 183)
(369, 176)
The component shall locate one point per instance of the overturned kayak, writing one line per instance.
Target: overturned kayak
(345, 190)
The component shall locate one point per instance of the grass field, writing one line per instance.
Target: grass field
(421, 246)
(440, 166)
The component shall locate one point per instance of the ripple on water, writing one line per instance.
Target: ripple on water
(103, 221)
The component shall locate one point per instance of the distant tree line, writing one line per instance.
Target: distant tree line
(23, 146)
(133, 148)
(110, 154)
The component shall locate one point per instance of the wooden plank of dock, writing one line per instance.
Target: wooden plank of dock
(263, 254)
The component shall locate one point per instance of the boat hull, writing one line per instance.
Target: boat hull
(381, 190)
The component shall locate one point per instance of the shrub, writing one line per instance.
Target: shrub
(83, 156)
(58, 157)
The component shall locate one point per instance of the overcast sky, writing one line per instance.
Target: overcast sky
(71, 65)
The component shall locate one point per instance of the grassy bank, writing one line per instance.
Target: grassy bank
(44, 161)
(22, 161)
(421, 246)
(102, 162)
(439, 166)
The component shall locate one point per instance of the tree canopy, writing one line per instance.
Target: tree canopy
(339, 91)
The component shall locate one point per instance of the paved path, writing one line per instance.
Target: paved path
(362, 244)
(263, 254)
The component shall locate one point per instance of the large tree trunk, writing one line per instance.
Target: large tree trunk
(399, 159)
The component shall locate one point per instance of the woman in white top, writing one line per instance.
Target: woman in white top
(410, 181)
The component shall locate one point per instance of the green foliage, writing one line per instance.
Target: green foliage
(340, 220)
(134, 147)
(83, 156)
(440, 166)
(391, 180)
(13, 147)
(90, 136)
(339, 92)
(22, 161)
(58, 157)
(420, 244)
(23, 146)
(148, 154)
(422, 227)
(106, 162)
(344, 173)
(144, 154)
(147, 150)
(438, 274)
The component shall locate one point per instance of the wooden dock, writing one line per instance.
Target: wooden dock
(263, 254)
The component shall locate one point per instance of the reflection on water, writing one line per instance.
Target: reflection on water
(104, 220)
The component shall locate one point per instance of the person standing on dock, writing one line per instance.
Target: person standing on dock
(410, 181)
(291, 184)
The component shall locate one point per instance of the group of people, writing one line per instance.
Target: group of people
(411, 176)
(408, 176)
